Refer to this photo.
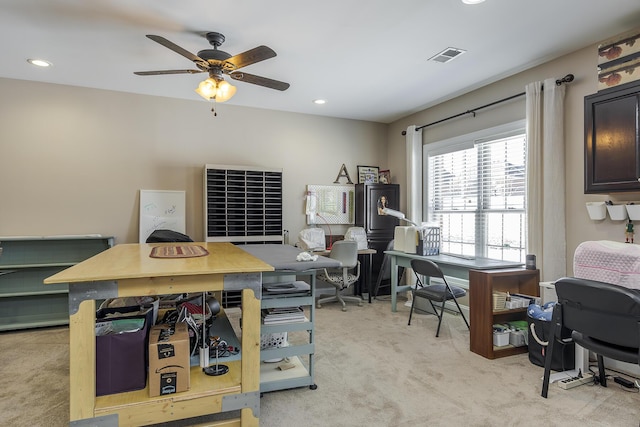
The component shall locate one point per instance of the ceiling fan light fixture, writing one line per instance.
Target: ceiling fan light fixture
(220, 91)
(225, 91)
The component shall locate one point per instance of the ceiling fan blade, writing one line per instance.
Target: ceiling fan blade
(177, 49)
(257, 80)
(159, 72)
(251, 56)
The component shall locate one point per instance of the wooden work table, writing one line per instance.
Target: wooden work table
(128, 270)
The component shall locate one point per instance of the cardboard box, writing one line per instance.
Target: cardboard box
(169, 362)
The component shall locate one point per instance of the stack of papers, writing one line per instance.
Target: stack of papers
(272, 316)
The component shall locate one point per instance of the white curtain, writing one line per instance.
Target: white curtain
(546, 178)
(413, 140)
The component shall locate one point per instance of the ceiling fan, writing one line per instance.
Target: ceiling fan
(216, 63)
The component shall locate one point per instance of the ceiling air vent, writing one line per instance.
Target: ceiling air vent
(447, 55)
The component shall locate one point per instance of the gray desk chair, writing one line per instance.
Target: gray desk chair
(341, 278)
(603, 318)
(438, 292)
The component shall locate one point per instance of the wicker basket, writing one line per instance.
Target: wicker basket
(499, 300)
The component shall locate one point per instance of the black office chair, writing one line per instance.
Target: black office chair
(603, 318)
(437, 292)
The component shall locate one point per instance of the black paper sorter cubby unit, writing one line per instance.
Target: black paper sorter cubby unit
(243, 204)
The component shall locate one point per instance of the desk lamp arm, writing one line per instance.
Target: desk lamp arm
(398, 214)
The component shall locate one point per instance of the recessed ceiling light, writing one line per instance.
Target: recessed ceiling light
(472, 1)
(39, 62)
(319, 101)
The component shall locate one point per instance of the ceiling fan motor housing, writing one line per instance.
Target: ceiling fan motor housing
(214, 38)
(214, 56)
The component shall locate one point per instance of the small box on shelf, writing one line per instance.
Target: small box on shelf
(499, 300)
(500, 339)
(517, 338)
(516, 302)
(169, 364)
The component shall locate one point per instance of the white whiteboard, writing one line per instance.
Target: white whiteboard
(161, 209)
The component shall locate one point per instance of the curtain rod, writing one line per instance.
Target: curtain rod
(566, 79)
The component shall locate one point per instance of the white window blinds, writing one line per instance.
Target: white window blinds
(477, 195)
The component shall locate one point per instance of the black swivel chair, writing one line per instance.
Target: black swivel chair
(603, 318)
(437, 292)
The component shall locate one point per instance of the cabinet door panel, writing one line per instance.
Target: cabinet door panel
(612, 143)
(369, 199)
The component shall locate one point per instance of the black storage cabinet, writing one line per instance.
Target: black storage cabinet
(379, 227)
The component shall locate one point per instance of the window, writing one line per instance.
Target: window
(475, 190)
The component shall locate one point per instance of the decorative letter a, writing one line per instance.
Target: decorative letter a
(343, 173)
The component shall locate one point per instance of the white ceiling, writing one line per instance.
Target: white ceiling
(367, 58)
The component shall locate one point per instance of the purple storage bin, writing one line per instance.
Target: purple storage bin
(121, 359)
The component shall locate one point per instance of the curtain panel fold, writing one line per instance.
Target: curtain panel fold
(546, 230)
(413, 148)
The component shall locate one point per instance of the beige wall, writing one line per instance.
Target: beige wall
(583, 64)
(72, 160)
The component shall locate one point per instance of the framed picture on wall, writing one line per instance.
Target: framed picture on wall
(368, 174)
(384, 177)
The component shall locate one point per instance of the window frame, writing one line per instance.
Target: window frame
(463, 142)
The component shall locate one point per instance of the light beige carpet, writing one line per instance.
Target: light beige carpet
(371, 370)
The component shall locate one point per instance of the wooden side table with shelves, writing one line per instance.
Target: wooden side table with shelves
(482, 285)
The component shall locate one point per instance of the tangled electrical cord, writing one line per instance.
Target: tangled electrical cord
(221, 346)
(628, 385)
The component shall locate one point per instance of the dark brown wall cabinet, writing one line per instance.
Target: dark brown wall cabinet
(612, 140)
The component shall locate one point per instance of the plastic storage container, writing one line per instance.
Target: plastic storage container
(500, 339)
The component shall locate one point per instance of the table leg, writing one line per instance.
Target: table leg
(250, 363)
(393, 264)
(82, 361)
(370, 276)
(369, 269)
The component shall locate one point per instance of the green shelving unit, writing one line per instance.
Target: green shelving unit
(25, 261)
